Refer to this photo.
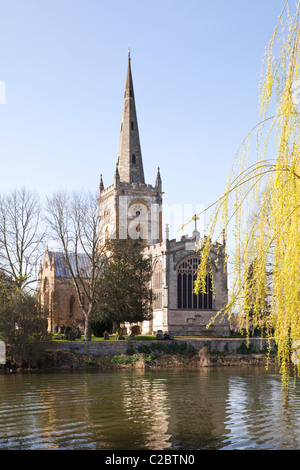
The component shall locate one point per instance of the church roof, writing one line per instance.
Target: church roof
(59, 260)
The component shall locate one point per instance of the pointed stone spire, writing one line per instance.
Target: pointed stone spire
(158, 180)
(117, 177)
(101, 186)
(130, 163)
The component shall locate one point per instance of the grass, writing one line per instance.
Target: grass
(111, 337)
(138, 338)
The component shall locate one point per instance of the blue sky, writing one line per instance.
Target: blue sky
(195, 65)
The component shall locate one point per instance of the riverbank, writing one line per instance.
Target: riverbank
(177, 353)
(192, 353)
(65, 360)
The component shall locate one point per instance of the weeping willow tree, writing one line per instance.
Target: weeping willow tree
(260, 207)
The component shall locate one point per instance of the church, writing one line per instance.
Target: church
(132, 208)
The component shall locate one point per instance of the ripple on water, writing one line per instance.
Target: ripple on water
(211, 409)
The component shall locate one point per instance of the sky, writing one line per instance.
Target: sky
(196, 67)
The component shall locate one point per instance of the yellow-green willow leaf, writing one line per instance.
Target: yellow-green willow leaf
(259, 211)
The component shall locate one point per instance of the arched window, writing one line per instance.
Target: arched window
(71, 306)
(133, 159)
(46, 295)
(157, 285)
(186, 276)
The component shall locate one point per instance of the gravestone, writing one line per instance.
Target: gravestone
(136, 329)
(71, 335)
(78, 332)
(106, 335)
(159, 334)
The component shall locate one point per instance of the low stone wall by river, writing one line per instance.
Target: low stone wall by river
(117, 347)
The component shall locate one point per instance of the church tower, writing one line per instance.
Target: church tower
(129, 208)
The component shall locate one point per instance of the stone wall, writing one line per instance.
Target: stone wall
(114, 347)
(92, 348)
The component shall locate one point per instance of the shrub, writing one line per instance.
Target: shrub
(99, 326)
(24, 329)
(91, 361)
(172, 347)
(148, 358)
(124, 359)
(245, 348)
(130, 350)
(67, 330)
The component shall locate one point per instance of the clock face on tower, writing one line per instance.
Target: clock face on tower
(136, 210)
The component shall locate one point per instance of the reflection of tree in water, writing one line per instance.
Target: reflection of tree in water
(197, 409)
(146, 404)
(257, 415)
(65, 423)
(175, 409)
(127, 410)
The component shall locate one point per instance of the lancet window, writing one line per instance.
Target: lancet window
(157, 285)
(71, 306)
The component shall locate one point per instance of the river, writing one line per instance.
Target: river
(211, 408)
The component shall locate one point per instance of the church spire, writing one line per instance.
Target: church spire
(101, 185)
(158, 180)
(130, 163)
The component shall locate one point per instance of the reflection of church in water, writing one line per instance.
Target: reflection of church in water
(130, 207)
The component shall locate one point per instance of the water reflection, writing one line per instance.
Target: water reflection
(217, 408)
(258, 415)
(146, 407)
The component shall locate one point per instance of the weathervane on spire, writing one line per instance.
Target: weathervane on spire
(128, 51)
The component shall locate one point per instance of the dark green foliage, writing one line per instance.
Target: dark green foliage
(124, 295)
(124, 359)
(133, 358)
(130, 350)
(172, 347)
(67, 330)
(99, 326)
(245, 348)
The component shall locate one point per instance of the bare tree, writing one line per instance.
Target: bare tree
(21, 236)
(74, 221)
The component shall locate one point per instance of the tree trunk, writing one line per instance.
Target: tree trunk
(87, 325)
